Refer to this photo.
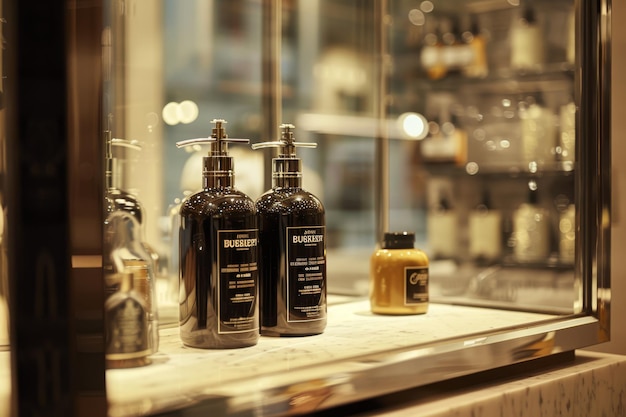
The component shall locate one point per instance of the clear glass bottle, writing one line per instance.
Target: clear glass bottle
(218, 241)
(399, 276)
(531, 230)
(123, 240)
(293, 247)
(567, 235)
(485, 232)
(528, 42)
(442, 226)
(539, 133)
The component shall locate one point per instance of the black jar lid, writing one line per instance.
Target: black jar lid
(398, 240)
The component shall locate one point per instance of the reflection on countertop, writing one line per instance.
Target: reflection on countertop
(528, 288)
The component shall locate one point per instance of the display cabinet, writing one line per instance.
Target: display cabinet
(480, 126)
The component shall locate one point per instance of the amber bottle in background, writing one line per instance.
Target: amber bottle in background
(475, 39)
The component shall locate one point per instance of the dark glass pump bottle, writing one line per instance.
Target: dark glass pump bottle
(218, 239)
(292, 254)
(116, 198)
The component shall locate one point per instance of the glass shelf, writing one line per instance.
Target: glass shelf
(549, 170)
(548, 78)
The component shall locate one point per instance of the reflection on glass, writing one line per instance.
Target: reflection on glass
(495, 85)
(126, 252)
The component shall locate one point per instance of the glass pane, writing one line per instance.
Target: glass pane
(481, 128)
(481, 123)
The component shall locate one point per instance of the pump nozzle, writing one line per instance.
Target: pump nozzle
(286, 144)
(286, 168)
(218, 140)
(217, 165)
(110, 161)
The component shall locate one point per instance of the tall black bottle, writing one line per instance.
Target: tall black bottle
(292, 254)
(218, 255)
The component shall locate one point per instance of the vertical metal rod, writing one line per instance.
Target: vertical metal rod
(593, 187)
(381, 156)
(271, 76)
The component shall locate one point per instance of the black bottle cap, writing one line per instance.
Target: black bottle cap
(485, 202)
(444, 204)
(532, 196)
(398, 240)
(529, 15)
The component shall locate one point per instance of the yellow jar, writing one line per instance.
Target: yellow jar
(399, 276)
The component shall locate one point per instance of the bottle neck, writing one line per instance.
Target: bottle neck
(218, 172)
(112, 178)
(287, 173)
(213, 181)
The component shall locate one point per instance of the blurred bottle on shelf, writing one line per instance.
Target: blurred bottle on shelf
(570, 51)
(567, 235)
(442, 228)
(531, 230)
(538, 126)
(448, 52)
(567, 134)
(432, 48)
(475, 40)
(485, 231)
(454, 54)
(527, 41)
(446, 142)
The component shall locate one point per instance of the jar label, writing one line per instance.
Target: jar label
(238, 280)
(306, 273)
(415, 285)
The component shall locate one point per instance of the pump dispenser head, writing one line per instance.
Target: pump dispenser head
(218, 166)
(112, 168)
(287, 167)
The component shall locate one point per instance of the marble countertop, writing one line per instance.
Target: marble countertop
(182, 375)
(210, 382)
